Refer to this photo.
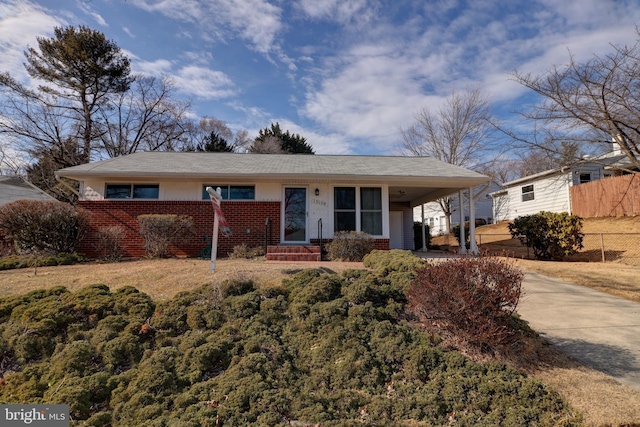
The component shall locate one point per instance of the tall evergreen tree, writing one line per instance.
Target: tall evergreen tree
(215, 143)
(273, 140)
(80, 68)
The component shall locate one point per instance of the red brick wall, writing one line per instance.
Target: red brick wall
(246, 219)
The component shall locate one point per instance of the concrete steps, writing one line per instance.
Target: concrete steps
(294, 253)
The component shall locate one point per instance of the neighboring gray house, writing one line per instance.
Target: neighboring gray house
(549, 191)
(13, 188)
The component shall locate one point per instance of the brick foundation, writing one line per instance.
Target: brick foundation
(246, 219)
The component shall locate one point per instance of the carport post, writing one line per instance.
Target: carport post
(463, 242)
(424, 234)
(472, 224)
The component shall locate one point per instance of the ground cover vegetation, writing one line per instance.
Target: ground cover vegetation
(319, 348)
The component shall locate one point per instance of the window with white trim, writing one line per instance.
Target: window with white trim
(527, 193)
(358, 209)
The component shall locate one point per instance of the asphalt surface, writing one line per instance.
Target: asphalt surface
(598, 329)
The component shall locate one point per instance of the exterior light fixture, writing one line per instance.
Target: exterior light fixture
(317, 191)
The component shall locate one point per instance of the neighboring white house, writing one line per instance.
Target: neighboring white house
(549, 190)
(435, 218)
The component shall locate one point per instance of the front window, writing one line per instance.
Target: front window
(371, 210)
(527, 193)
(358, 209)
(231, 192)
(132, 191)
(345, 209)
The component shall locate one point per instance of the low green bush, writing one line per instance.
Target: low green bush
(551, 235)
(25, 261)
(322, 349)
(350, 246)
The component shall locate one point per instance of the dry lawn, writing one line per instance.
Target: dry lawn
(161, 279)
(601, 400)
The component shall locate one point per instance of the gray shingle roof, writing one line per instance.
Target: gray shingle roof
(271, 166)
(13, 188)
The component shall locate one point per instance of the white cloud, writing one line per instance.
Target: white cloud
(156, 68)
(321, 142)
(376, 84)
(20, 23)
(203, 82)
(256, 21)
(191, 80)
(340, 11)
(86, 8)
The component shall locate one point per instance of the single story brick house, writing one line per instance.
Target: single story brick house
(268, 199)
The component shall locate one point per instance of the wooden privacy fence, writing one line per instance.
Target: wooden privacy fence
(615, 196)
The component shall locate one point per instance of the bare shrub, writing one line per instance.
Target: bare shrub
(6, 246)
(43, 227)
(161, 231)
(350, 246)
(109, 239)
(244, 252)
(471, 297)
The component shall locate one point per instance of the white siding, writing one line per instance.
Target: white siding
(551, 194)
(432, 210)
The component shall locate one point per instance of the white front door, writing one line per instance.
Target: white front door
(294, 215)
(396, 230)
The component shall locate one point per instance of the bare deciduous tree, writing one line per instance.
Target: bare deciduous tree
(461, 132)
(592, 103)
(143, 118)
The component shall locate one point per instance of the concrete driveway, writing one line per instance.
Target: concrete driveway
(600, 330)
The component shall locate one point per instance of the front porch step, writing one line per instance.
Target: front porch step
(294, 253)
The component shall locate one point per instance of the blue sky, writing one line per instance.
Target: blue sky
(346, 74)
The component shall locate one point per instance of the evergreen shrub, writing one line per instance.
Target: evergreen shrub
(552, 235)
(322, 349)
